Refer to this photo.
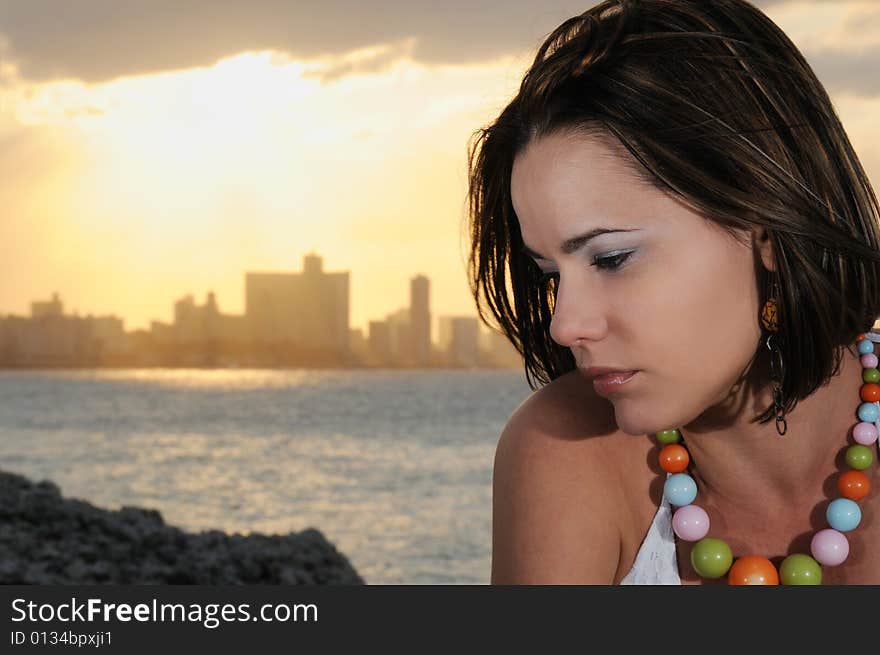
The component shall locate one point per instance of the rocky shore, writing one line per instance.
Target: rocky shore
(48, 539)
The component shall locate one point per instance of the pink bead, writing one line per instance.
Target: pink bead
(865, 433)
(690, 523)
(829, 547)
(869, 360)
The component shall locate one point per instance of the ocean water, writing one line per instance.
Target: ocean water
(394, 467)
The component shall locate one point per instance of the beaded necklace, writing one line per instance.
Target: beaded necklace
(712, 557)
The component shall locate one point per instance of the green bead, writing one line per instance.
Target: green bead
(799, 569)
(859, 457)
(871, 375)
(711, 558)
(667, 437)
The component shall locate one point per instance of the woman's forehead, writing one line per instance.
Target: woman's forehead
(560, 168)
(560, 183)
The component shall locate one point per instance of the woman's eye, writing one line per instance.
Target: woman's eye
(606, 263)
(613, 262)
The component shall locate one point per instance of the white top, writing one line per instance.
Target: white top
(655, 562)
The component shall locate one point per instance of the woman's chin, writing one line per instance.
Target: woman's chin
(632, 427)
(634, 422)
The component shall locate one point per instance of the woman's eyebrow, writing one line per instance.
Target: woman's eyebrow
(575, 243)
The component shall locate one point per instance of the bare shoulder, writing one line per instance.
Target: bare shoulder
(558, 489)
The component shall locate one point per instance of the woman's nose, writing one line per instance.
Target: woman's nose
(577, 314)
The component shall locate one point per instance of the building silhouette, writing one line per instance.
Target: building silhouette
(400, 337)
(403, 338)
(290, 319)
(497, 352)
(459, 340)
(379, 342)
(195, 323)
(307, 311)
(49, 338)
(42, 309)
(420, 320)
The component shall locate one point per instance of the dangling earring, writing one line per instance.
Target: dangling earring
(770, 322)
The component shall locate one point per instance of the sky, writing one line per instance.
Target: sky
(155, 148)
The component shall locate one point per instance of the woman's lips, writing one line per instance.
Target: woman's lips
(611, 382)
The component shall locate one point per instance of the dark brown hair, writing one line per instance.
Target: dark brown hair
(718, 107)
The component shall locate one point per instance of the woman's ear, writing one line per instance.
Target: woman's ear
(763, 244)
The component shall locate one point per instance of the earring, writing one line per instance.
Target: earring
(769, 316)
(770, 322)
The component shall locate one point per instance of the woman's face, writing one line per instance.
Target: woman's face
(681, 306)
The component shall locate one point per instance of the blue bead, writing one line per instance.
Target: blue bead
(843, 514)
(866, 346)
(868, 412)
(680, 489)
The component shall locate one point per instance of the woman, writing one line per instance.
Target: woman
(671, 197)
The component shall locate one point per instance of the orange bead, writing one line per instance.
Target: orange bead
(870, 392)
(853, 484)
(861, 337)
(674, 458)
(753, 570)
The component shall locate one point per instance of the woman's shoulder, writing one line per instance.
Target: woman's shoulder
(568, 486)
(565, 407)
(568, 417)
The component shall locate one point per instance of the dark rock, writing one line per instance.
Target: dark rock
(48, 539)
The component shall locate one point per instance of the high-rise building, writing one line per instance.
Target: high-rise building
(400, 337)
(358, 345)
(199, 324)
(459, 338)
(379, 343)
(308, 309)
(53, 307)
(420, 320)
(498, 351)
(50, 338)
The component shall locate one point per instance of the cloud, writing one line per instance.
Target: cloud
(99, 40)
(360, 62)
(863, 22)
(841, 71)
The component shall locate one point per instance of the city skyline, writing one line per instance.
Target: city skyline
(291, 318)
(206, 293)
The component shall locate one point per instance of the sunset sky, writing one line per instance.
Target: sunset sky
(154, 148)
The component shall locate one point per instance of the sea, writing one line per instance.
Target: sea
(394, 467)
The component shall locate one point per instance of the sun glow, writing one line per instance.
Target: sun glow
(178, 182)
